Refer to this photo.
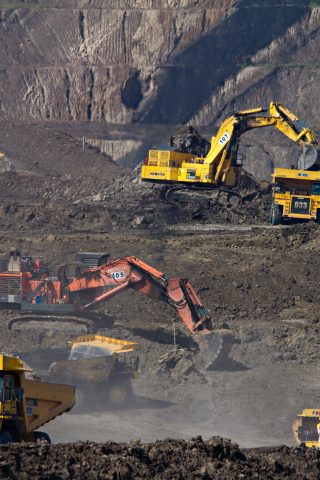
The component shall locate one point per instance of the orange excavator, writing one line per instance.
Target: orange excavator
(99, 284)
(36, 291)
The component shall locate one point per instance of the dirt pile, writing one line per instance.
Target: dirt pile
(189, 140)
(59, 185)
(168, 459)
(29, 201)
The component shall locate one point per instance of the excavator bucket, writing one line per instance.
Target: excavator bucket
(215, 348)
(309, 157)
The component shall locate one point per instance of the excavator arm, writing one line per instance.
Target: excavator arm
(101, 283)
(291, 126)
(224, 146)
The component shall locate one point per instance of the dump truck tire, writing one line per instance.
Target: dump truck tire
(276, 214)
(5, 437)
(41, 437)
(119, 393)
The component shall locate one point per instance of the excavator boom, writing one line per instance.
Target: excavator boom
(130, 272)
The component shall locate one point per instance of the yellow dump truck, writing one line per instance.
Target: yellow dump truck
(26, 404)
(296, 194)
(100, 367)
(304, 427)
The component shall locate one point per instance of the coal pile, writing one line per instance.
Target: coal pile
(189, 140)
(216, 458)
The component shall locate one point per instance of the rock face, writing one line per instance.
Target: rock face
(96, 60)
(161, 62)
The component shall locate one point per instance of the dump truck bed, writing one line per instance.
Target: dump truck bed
(44, 401)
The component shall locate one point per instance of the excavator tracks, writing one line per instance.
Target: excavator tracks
(179, 195)
(21, 322)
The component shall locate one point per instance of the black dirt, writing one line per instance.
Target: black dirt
(189, 140)
(216, 458)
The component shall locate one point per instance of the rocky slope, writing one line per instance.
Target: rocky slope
(152, 61)
(95, 60)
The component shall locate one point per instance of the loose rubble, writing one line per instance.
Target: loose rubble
(57, 202)
(194, 459)
(189, 140)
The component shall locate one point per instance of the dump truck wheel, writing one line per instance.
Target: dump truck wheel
(5, 437)
(118, 393)
(41, 437)
(276, 214)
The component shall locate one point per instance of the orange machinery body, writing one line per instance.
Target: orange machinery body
(99, 284)
(26, 284)
(22, 287)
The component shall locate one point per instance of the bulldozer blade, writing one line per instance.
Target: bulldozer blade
(215, 348)
(309, 157)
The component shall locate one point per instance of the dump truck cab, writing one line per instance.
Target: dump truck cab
(296, 194)
(304, 427)
(11, 405)
(27, 404)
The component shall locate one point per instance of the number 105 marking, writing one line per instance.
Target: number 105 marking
(117, 275)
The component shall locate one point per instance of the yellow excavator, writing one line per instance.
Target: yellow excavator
(219, 169)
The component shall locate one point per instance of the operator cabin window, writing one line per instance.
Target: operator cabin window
(6, 388)
(316, 189)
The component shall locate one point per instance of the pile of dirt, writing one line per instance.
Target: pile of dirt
(29, 201)
(189, 140)
(168, 459)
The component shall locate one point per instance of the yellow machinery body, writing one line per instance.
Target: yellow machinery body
(100, 360)
(168, 166)
(296, 193)
(93, 358)
(26, 405)
(304, 427)
(220, 166)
